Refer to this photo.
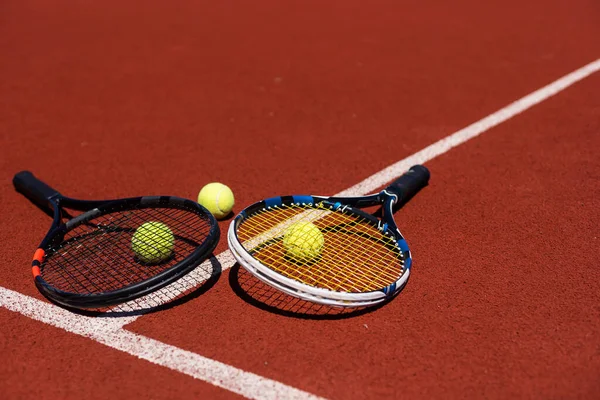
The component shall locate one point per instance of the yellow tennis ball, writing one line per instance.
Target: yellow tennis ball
(303, 241)
(153, 242)
(217, 198)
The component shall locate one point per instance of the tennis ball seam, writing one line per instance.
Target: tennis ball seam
(222, 189)
(218, 198)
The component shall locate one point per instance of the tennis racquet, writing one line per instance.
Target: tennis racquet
(87, 261)
(360, 260)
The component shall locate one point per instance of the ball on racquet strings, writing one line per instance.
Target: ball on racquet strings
(153, 242)
(217, 198)
(303, 241)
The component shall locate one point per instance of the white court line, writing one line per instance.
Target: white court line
(446, 144)
(101, 330)
(110, 331)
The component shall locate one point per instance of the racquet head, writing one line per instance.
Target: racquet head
(88, 261)
(361, 261)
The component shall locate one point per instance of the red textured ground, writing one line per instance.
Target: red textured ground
(111, 99)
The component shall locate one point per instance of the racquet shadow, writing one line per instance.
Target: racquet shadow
(190, 286)
(258, 294)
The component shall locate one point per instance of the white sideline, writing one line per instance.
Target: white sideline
(446, 144)
(104, 331)
(111, 331)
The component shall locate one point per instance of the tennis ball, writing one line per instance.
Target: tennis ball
(303, 241)
(217, 198)
(152, 242)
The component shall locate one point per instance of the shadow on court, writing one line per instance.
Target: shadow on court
(192, 285)
(258, 294)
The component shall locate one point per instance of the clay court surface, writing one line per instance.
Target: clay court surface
(125, 98)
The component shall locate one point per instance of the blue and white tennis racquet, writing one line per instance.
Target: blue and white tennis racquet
(354, 259)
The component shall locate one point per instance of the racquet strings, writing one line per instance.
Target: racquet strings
(192, 283)
(97, 256)
(356, 257)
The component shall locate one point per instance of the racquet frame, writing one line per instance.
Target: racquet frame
(50, 199)
(400, 190)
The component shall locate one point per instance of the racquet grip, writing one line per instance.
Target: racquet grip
(34, 189)
(409, 184)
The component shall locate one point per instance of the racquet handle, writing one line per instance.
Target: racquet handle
(34, 189)
(409, 184)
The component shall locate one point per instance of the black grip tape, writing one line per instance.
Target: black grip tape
(409, 184)
(34, 189)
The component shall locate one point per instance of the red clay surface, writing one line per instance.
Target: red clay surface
(43, 362)
(108, 100)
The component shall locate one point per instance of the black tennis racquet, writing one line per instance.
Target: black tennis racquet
(347, 256)
(88, 261)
